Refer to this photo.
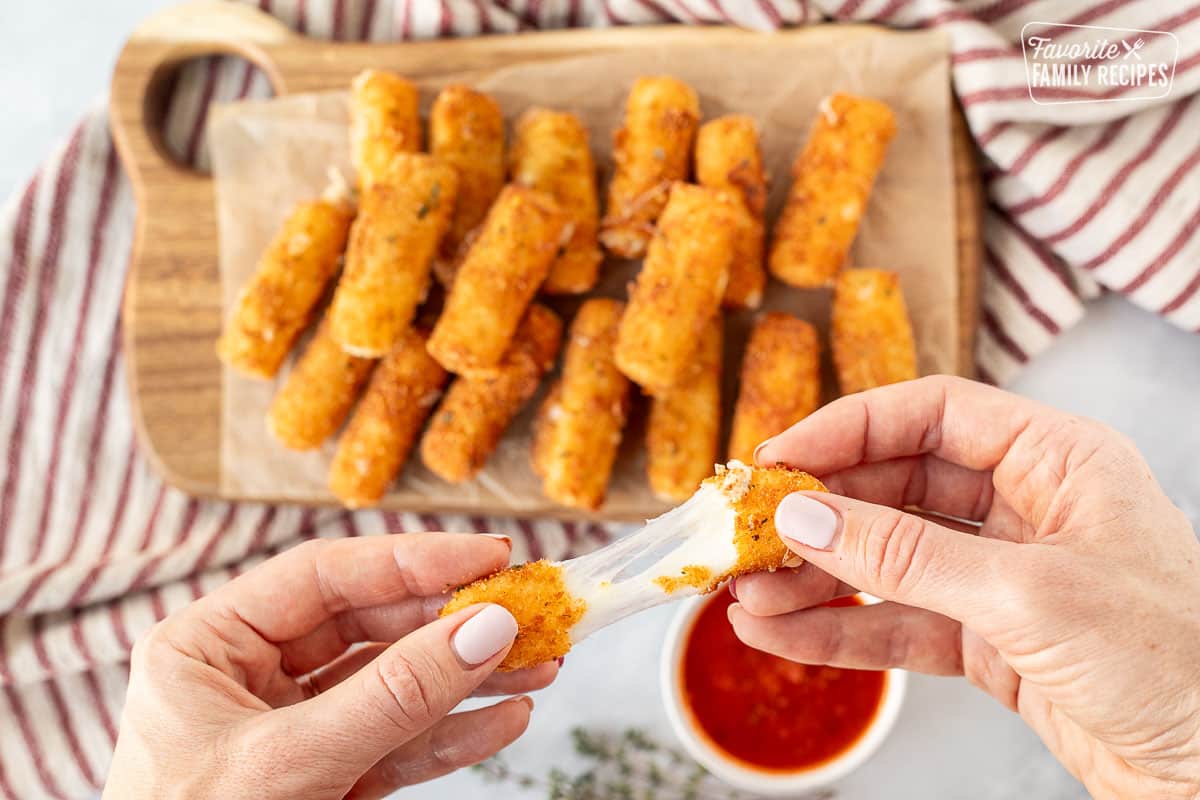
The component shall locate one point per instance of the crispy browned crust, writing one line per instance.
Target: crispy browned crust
(545, 611)
(758, 544)
(384, 120)
(679, 288)
(318, 394)
(651, 150)
(402, 217)
(832, 179)
(466, 131)
(728, 157)
(550, 152)
(870, 334)
(476, 411)
(685, 423)
(498, 278)
(377, 441)
(580, 423)
(780, 382)
(277, 302)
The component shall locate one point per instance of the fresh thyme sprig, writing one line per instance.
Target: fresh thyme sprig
(626, 766)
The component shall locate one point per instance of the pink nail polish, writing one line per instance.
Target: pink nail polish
(758, 449)
(561, 659)
(484, 635)
(733, 588)
(506, 539)
(805, 521)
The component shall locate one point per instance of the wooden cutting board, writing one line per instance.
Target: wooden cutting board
(172, 306)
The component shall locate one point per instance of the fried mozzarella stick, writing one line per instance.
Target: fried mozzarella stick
(579, 426)
(402, 217)
(679, 287)
(652, 150)
(831, 182)
(550, 152)
(501, 272)
(403, 390)
(277, 303)
(726, 529)
(728, 157)
(466, 131)
(476, 411)
(384, 121)
(780, 382)
(318, 394)
(685, 423)
(870, 333)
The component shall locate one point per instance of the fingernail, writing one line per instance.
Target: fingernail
(484, 635)
(761, 445)
(506, 539)
(806, 521)
(560, 660)
(524, 700)
(733, 588)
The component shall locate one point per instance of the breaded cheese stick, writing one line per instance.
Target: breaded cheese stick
(499, 276)
(384, 121)
(476, 411)
(870, 333)
(466, 131)
(402, 217)
(780, 382)
(831, 182)
(685, 423)
(725, 530)
(728, 157)
(318, 394)
(550, 152)
(277, 303)
(402, 392)
(652, 150)
(580, 423)
(679, 288)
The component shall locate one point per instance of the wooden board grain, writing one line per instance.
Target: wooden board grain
(172, 307)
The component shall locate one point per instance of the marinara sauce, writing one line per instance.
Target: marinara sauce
(770, 713)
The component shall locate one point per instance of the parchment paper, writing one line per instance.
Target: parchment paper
(268, 155)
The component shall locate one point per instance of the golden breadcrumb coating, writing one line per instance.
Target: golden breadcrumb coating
(780, 382)
(277, 303)
(537, 596)
(870, 333)
(832, 179)
(403, 390)
(384, 121)
(651, 150)
(693, 575)
(728, 157)
(758, 544)
(551, 153)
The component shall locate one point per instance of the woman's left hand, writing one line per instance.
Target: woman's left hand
(258, 689)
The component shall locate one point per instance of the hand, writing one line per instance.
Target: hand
(1076, 603)
(258, 691)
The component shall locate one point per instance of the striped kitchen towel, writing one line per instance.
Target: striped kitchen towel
(93, 547)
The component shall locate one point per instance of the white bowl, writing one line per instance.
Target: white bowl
(734, 772)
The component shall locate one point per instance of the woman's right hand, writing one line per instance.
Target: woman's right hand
(1077, 603)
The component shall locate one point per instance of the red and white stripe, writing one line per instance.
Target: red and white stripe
(93, 547)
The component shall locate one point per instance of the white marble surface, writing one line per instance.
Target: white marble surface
(1120, 365)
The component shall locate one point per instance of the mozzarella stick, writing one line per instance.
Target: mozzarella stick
(780, 382)
(870, 332)
(401, 219)
(685, 423)
(318, 394)
(476, 411)
(831, 182)
(466, 131)
(498, 277)
(679, 288)
(377, 441)
(384, 121)
(551, 153)
(651, 151)
(728, 157)
(276, 305)
(580, 423)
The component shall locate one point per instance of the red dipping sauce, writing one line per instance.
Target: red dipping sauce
(766, 712)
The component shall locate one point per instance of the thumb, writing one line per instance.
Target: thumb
(891, 554)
